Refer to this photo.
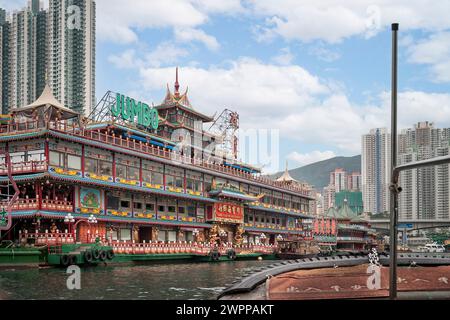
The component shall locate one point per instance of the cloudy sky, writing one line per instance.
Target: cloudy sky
(317, 70)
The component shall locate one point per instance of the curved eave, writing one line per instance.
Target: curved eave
(22, 136)
(187, 109)
(298, 215)
(232, 195)
(274, 231)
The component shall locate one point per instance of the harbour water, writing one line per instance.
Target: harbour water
(165, 281)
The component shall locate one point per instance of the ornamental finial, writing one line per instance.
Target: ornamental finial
(177, 85)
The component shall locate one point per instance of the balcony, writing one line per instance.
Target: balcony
(57, 205)
(25, 167)
(22, 205)
(33, 204)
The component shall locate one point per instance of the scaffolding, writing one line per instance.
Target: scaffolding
(226, 127)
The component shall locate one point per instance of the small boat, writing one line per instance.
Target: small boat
(297, 249)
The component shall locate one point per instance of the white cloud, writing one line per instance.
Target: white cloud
(303, 159)
(125, 60)
(433, 51)
(415, 106)
(323, 53)
(259, 91)
(284, 58)
(10, 5)
(220, 6)
(335, 20)
(165, 53)
(190, 34)
(118, 21)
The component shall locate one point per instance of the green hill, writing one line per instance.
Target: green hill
(318, 173)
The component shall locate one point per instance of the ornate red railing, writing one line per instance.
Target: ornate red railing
(25, 167)
(184, 247)
(57, 205)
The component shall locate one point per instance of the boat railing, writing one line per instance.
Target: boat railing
(185, 247)
(47, 238)
(47, 204)
(21, 127)
(25, 167)
(22, 204)
(59, 205)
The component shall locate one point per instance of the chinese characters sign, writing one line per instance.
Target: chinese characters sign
(229, 212)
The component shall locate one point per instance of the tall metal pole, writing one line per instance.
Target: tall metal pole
(393, 187)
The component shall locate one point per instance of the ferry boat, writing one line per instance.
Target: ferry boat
(129, 175)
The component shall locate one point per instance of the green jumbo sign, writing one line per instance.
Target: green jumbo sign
(135, 111)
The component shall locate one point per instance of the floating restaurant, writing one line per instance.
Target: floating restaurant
(344, 230)
(133, 170)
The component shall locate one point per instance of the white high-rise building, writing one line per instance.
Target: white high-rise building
(23, 55)
(72, 26)
(375, 165)
(57, 46)
(442, 184)
(338, 179)
(329, 197)
(354, 181)
(425, 192)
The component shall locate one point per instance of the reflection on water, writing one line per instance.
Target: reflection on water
(141, 282)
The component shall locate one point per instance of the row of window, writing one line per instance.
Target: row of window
(121, 202)
(265, 219)
(125, 234)
(129, 168)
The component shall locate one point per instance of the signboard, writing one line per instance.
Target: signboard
(405, 226)
(228, 212)
(135, 111)
(3, 218)
(90, 200)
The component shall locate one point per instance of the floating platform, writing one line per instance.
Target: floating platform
(21, 256)
(79, 254)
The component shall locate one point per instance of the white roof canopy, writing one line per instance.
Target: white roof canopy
(48, 100)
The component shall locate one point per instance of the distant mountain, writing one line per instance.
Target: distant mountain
(318, 173)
